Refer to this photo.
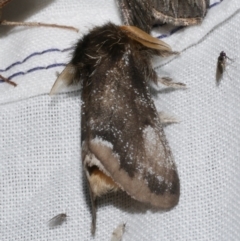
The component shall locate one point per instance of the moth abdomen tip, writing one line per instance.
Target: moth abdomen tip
(100, 183)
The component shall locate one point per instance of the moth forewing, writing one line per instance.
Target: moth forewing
(123, 143)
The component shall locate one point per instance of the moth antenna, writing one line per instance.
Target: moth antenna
(8, 81)
(37, 24)
(168, 82)
(64, 79)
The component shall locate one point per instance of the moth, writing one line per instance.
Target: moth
(118, 232)
(145, 14)
(123, 143)
(221, 65)
(57, 220)
(29, 24)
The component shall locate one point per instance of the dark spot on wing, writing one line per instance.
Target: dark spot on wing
(169, 184)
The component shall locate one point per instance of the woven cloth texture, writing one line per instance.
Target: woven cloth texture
(40, 154)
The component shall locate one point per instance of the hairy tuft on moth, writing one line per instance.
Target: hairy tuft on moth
(221, 65)
(118, 232)
(145, 14)
(123, 142)
(57, 220)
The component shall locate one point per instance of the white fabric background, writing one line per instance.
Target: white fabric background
(40, 163)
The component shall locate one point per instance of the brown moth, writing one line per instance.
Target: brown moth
(144, 14)
(123, 143)
(29, 24)
(57, 220)
(118, 232)
(221, 65)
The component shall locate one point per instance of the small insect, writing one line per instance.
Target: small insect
(144, 14)
(28, 24)
(221, 65)
(57, 220)
(118, 232)
(123, 142)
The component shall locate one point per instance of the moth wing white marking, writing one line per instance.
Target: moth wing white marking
(64, 79)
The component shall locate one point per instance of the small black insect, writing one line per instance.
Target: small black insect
(221, 65)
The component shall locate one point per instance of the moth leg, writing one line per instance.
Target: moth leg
(167, 119)
(168, 82)
(165, 81)
(175, 21)
(8, 81)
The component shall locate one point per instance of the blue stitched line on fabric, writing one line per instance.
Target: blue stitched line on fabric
(181, 27)
(34, 69)
(35, 54)
(68, 49)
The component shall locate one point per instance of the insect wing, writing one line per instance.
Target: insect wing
(57, 220)
(121, 129)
